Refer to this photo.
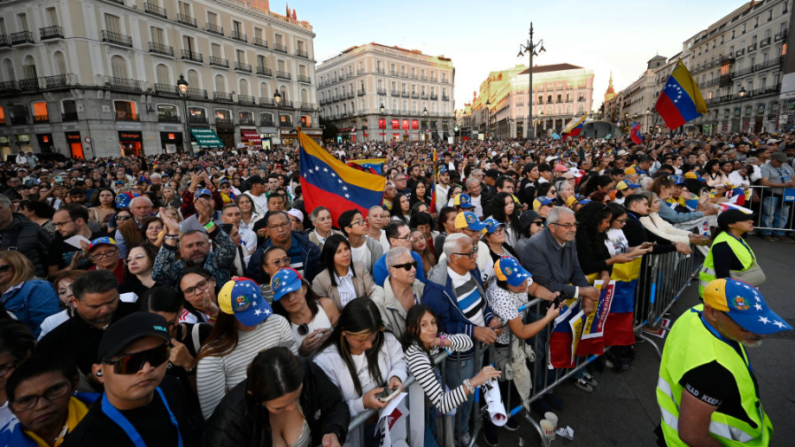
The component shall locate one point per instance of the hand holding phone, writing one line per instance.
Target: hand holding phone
(387, 394)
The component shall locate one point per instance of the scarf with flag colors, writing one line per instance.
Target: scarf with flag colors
(634, 133)
(680, 100)
(574, 128)
(328, 182)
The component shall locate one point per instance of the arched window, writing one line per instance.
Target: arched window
(118, 67)
(29, 68)
(163, 76)
(9, 70)
(243, 87)
(266, 119)
(264, 90)
(220, 84)
(305, 96)
(60, 63)
(193, 79)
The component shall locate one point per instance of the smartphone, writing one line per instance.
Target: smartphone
(387, 394)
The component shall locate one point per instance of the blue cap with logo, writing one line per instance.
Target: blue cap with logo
(508, 269)
(203, 192)
(469, 220)
(243, 298)
(744, 304)
(463, 200)
(102, 241)
(285, 281)
(492, 225)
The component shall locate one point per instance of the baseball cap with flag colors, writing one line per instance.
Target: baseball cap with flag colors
(463, 200)
(744, 305)
(508, 269)
(541, 201)
(285, 281)
(242, 298)
(469, 220)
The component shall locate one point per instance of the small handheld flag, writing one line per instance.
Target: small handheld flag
(634, 133)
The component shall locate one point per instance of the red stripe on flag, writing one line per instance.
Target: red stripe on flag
(669, 112)
(314, 197)
(619, 330)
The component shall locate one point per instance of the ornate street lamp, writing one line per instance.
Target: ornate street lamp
(530, 47)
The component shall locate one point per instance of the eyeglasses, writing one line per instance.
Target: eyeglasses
(60, 224)
(3, 269)
(200, 286)
(280, 226)
(132, 363)
(407, 266)
(407, 238)
(123, 218)
(103, 255)
(26, 403)
(470, 254)
(285, 261)
(621, 221)
(358, 222)
(538, 222)
(568, 226)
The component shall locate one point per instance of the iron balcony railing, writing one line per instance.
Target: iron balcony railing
(240, 66)
(130, 85)
(264, 71)
(258, 41)
(219, 62)
(159, 48)
(51, 32)
(186, 20)
(215, 29)
(192, 56)
(280, 47)
(167, 89)
(116, 38)
(222, 96)
(21, 37)
(155, 10)
(304, 79)
(237, 35)
(246, 100)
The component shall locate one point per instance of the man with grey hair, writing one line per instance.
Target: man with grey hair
(454, 291)
(401, 291)
(474, 189)
(24, 236)
(141, 209)
(377, 219)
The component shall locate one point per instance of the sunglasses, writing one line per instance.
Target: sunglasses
(407, 266)
(132, 363)
(5, 268)
(123, 217)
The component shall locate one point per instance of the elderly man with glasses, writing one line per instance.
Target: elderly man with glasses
(304, 254)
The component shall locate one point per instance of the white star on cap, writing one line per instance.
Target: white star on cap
(267, 311)
(779, 324)
(764, 320)
(746, 286)
(257, 312)
(758, 307)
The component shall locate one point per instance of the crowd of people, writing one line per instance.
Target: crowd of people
(179, 299)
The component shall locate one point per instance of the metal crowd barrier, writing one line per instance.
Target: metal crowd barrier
(773, 211)
(662, 280)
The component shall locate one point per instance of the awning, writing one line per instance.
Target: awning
(250, 136)
(207, 138)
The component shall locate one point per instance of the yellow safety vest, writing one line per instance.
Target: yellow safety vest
(743, 253)
(690, 345)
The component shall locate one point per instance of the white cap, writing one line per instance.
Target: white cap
(296, 213)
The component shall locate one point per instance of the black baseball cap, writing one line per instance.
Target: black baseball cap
(133, 327)
(731, 216)
(527, 218)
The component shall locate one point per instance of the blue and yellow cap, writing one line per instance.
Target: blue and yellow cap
(463, 200)
(469, 220)
(102, 241)
(285, 281)
(541, 201)
(242, 298)
(492, 225)
(508, 269)
(744, 304)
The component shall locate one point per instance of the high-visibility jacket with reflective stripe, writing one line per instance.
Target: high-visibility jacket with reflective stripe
(707, 273)
(690, 345)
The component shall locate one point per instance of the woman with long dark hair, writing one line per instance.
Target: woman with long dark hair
(420, 192)
(505, 211)
(245, 326)
(199, 291)
(342, 280)
(311, 318)
(401, 210)
(138, 270)
(284, 401)
(274, 258)
(362, 360)
(713, 173)
(603, 183)
(104, 205)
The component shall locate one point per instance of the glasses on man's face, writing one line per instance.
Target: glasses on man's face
(132, 363)
(199, 287)
(61, 224)
(103, 255)
(407, 266)
(568, 226)
(280, 226)
(25, 403)
(407, 238)
(283, 262)
(357, 222)
(471, 254)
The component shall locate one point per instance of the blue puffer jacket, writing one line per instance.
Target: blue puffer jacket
(31, 303)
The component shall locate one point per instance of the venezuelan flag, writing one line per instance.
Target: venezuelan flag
(681, 100)
(566, 334)
(328, 182)
(575, 128)
(619, 330)
(376, 164)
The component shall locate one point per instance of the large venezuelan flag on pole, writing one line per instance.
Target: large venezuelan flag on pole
(575, 128)
(680, 100)
(328, 182)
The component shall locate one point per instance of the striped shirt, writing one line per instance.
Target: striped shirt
(215, 375)
(423, 371)
(470, 300)
(346, 288)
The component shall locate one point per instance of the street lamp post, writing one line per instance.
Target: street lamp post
(741, 94)
(182, 85)
(648, 117)
(382, 111)
(529, 47)
(425, 116)
(488, 118)
(277, 99)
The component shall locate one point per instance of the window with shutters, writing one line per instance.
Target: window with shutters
(220, 84)
(52, 17)
(215, 50)
(241, 56)
(193, 79)
(23, 22)
(212, 18)
(163, 76)
(112, 23)
(118, 67)
(60, 63)
(158, 36)
(29, 68)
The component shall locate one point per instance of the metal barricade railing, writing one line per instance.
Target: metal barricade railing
(662, 280)
(774, 211)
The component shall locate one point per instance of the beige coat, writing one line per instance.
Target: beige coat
(362, 281)
(393, 313)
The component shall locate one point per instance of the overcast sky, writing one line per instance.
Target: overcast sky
(604, 36)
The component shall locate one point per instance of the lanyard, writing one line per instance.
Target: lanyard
(116, 416)
(736, 348)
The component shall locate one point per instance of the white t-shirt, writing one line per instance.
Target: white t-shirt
(362, 255)
(476, 202)
(260, 202)
(616, 242)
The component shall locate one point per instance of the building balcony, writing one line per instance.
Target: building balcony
(240, 66)
(751, 47)
(69, 117)
(186, 20)
(359, 71)
(404, 94)
(57, 81)
(218, 62)
(159, 48)
(285, 104)
(304, 79)
(445, 81)
(361, 93)
(237, 35)
(9, 86)
(246, 100)
(334, 98)
(123, 115)
(29, 85)
(123, 84)
(307, 107)
(51, 32)
(445, 98)
(415, 95)
(423, 96)
(302, 53)
(266, 122)
(281, 48)
(395, 93)
(380, 71)
(264, 71)
(393, 73)
(41, 119)
(381, 92)
(166, 89)
(215, 29)
(258, 41)
(265, 101)
(198, 119)
(192, 56)
(778, 37)
(764, 42)
(4, 41)
(414, 76)
(22, 38)
(16, 120)
(155, 10)
(286, 122)
(404, 75)
(349, 95)
(168, 119)
(222, 96)
(116, 38)
(434, 96)
(283, 75)
(739, 52)
(434, 79)
(223, 120)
